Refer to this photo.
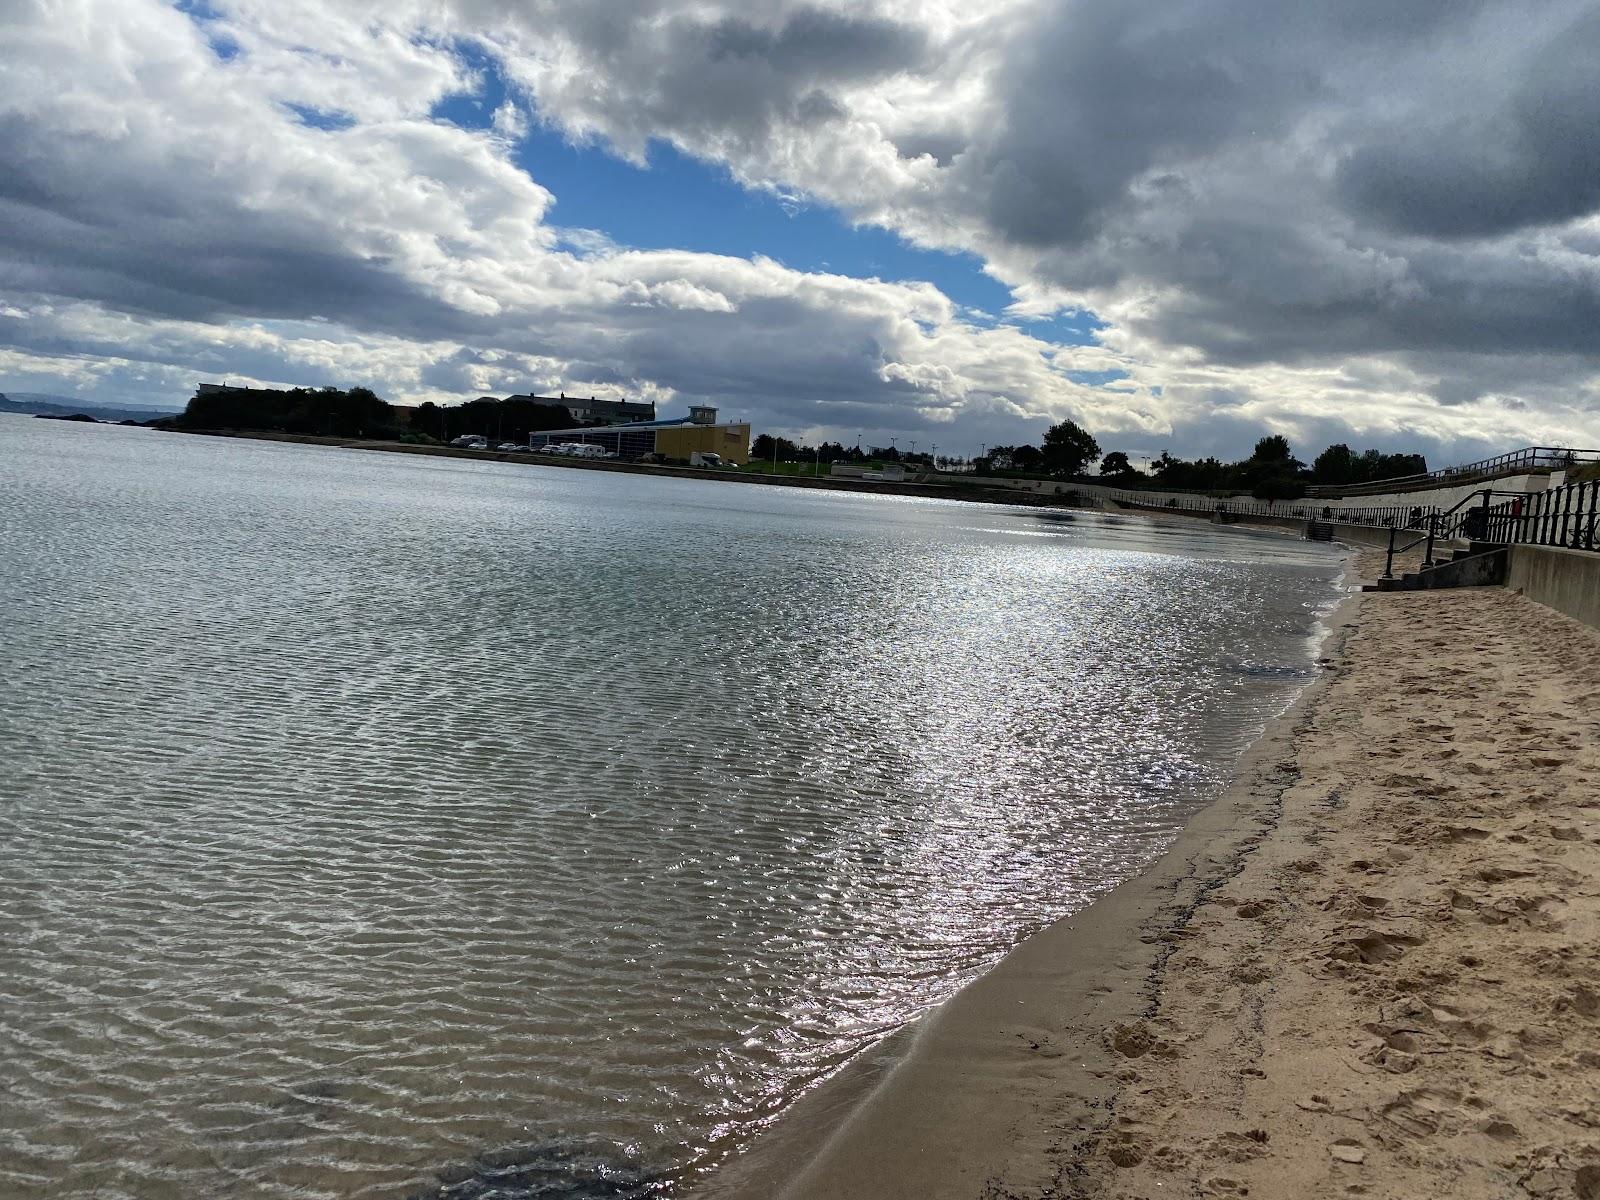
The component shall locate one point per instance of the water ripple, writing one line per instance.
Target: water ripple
(375, 827)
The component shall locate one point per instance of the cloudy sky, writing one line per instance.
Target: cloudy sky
(1178, 223)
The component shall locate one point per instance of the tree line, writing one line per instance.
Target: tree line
(358, 412)
(1270, 472)
(332, 412)
(767, 448)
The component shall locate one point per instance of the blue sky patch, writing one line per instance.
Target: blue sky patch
(318, 118)
(680, 203)
(206, 19)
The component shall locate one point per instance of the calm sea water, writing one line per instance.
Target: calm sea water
(372, 824)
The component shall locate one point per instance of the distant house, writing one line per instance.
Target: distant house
(591, 411)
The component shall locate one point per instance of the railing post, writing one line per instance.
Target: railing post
(1433, 525)
(1388, 562)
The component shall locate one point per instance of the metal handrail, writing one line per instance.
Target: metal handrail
(1566, 517)
(1436, 521)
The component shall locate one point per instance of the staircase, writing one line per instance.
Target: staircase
(1480, 565)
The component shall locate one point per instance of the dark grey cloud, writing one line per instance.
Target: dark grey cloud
(1104, 92)
(95, 219)
(735, 75)
(816, 43)
(1505, 151)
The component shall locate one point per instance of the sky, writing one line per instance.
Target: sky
(1180, 224)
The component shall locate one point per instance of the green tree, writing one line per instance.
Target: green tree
(1068, 448)
(1116, 463)
(1274, 450)
(1336, 464)
(326, 411)
(1272, 472)
(1027, 458)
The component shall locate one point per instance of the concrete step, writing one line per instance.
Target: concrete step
(1398, 583)
(1484, 569)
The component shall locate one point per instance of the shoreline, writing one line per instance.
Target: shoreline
(1235, 1019)
(933, 491)
(1003, 1090)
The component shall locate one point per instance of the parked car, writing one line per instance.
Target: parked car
(586, 450)
(470, 441)
(509, 446)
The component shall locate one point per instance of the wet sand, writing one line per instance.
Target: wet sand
(1370, 969)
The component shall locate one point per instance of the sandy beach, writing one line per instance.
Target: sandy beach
(1369, 969)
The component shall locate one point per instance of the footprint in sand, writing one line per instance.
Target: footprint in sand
(1422, 1112)
(1493, 874)
(1373, 947)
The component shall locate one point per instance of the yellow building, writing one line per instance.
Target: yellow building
(676, 440)
(731, 441)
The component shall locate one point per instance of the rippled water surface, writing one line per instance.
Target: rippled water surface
(375, 824)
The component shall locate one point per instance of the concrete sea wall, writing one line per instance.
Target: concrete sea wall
(1440, 497)
(1565, 580)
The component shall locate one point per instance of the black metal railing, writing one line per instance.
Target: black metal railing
(1566, 517)
(1466, 520)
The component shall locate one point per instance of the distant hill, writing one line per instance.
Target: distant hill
(44, 403)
